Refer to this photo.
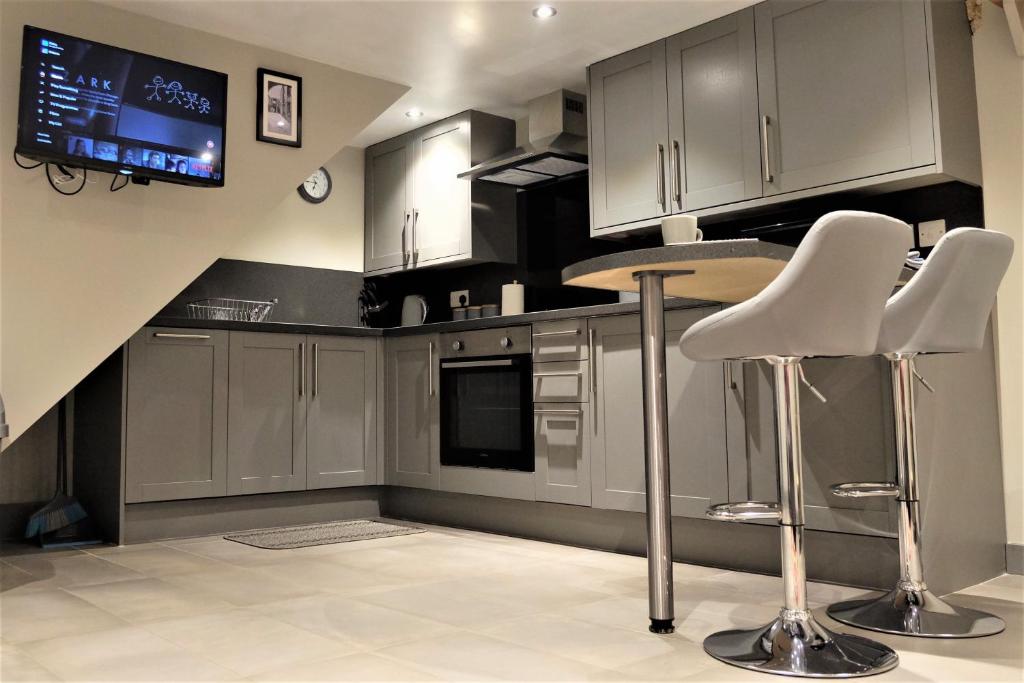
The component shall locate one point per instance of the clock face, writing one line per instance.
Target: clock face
(317, 187)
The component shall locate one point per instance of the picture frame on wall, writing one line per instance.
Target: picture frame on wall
(278, 108)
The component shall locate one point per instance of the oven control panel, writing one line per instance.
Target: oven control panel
(499, 341)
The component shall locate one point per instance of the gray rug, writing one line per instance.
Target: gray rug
(321, 534)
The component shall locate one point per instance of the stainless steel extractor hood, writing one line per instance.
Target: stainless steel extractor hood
(557, 149)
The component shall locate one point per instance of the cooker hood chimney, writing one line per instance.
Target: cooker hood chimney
(557, 149)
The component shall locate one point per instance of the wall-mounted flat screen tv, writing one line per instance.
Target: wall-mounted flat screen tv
(88, 105)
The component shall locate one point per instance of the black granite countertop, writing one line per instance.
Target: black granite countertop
(430, 328)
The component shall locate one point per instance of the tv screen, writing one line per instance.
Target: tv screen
(88, 105)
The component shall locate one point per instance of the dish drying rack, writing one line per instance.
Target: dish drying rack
(231, 309)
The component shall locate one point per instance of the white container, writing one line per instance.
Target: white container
(512, 298)
(680, 230)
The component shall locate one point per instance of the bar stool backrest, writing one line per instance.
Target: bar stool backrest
(945, 306)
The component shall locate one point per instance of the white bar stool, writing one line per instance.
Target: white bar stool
(828, 301)
(943, 309)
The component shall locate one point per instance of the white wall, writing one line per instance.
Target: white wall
(325, 235)
(999, 75)
(80, 274)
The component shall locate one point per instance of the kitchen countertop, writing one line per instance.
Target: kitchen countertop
(430, 328)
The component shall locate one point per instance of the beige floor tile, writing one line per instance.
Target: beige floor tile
(356, 621)
(248, 642)
(123, 654)
(330, 577)
(685, 659)
(473, 656)
(17, 665)
(595, 644)
(238, 554)
(530, 592)
(1006, 587)
(159, 560)
(449, 602)
(14, 580)
(48, 614)
(363, 666)
(824, 594)
(239, 586)
(147, 599)
(79, 569)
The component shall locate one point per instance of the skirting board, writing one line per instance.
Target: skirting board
(1014, 558)
(206, 516)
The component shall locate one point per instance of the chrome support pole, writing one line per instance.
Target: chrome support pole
(659, 502)
(910, 608)
(795, 644)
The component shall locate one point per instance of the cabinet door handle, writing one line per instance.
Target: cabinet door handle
(405, 227)
(730, 381)
(430, 368)
(766, 164)
(558, 333)
(556, 411)
(302, 369)
(676, 166)
(316, 369)
(591, 361)
(415, 250)
(660, 168)
(568, 373)
(175, 335)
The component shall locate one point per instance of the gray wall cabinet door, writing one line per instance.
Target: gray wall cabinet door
(176, 416)
(341, 422)
(628, 137)
(847, 439)
(845, 89)
(697, 434)
(267, 413)
(714, 157)
(440, 221)
(388, 201)
(413, 412)
(562, 452)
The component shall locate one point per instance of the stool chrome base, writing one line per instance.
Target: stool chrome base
(797, 645)
(916, 613)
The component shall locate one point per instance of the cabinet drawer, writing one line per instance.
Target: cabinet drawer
(561, 382)
(560, 340)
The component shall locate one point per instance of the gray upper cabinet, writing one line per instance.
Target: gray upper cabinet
(388, 201)
(697, 430)
(176, 415)
(267, 413)
(715, 157)
(413, 439)
(628, 128)
(341, 420)
(844, 90)
(420, 213)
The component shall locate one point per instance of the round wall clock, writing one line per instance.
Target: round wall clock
(317, 187)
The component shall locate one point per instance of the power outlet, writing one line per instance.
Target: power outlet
(929, 232)
(459, 298)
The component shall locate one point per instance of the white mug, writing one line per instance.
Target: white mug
(680, 230)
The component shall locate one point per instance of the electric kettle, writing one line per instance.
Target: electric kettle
(414, 310)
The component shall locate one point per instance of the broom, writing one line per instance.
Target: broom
(63, 509)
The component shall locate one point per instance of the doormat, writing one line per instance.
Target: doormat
(281, 538)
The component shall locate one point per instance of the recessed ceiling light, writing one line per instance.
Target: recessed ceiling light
(544, 12)
(414, 113)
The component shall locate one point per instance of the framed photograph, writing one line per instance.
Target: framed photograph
(279, 108)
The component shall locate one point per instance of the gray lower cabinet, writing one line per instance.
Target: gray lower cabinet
(628, 132)
(267, 413)
(697, 430)
(562, 449)
(712, 114)
(844, 90)
(849, 438)
(412, 419)
(176, 414)
(341, 419)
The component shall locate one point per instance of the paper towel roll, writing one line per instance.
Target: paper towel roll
(512, 297)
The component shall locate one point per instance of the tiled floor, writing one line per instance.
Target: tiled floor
(442, 605)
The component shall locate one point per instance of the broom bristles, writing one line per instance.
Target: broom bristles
(58, 513)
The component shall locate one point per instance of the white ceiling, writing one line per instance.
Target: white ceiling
(492, 56)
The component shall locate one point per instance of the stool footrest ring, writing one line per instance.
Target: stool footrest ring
(867, 489)
(746, 511)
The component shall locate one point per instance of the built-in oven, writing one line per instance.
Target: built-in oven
(486, 393)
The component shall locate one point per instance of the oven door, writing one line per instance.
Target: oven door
(487, 413)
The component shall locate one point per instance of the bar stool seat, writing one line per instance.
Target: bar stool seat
(943, 309)
(828, 301)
